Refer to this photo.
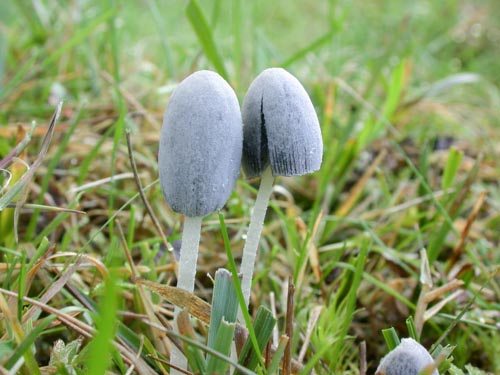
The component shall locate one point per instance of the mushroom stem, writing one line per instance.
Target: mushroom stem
(189, 253)
(186, 277)
(254, 231)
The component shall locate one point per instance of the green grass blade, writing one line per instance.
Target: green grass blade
(237, 285)
(451, 168)
(78, 38)
(221, 344)
(273, 367)
(224, 304)
(28, 341)
(264, 324)
(391, 338)
(205, 348)
(412, 330)
(205, 37)
(350, 299)
(101, 347)
(162, 32)
(314, 45)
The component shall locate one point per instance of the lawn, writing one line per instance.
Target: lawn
(397, 235)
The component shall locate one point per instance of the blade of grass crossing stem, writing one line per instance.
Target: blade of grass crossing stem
(237, 286)
(205, 37)
(350, 299)
(391, 338)
(451, 168)
(263, 325)
(101, 347)
(221, 344)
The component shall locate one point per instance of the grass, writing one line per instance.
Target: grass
(408, 100)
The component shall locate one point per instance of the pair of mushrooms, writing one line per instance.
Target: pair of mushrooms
(206, 138)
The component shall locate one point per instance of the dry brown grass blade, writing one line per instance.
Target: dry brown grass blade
(144, 199)
(159, 339)
(439, 292)
(54, 288)
(358, 187)
(10, 317)
(170, 365)
(471, 177)
(26, 178)
(312, 253)
(459, 247)
(47, 208)
(362, 358)
(185, 328)
(313, 319)
(185, 300)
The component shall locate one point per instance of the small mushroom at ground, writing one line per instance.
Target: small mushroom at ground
(199, 158)
(281, 137)
(408, 358)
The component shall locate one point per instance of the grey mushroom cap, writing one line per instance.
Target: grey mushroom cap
(280, 127)
(408, 358)
(201, 143)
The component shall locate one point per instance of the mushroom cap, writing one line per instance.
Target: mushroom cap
(280, 127)
(408, 358)
(200, 149)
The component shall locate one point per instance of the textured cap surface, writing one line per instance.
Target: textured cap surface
(200, 145)
(281, 127)
(408, 358)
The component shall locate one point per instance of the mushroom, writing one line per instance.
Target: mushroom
(281, 137)
(408, 358)
(199, 158)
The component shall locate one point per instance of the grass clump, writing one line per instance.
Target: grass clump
(400, 221)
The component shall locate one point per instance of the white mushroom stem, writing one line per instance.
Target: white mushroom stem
(186, 277)
(254, 231)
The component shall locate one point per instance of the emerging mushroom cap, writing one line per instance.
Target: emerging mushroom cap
(408, 358)
(200, 145)
(280, 127)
